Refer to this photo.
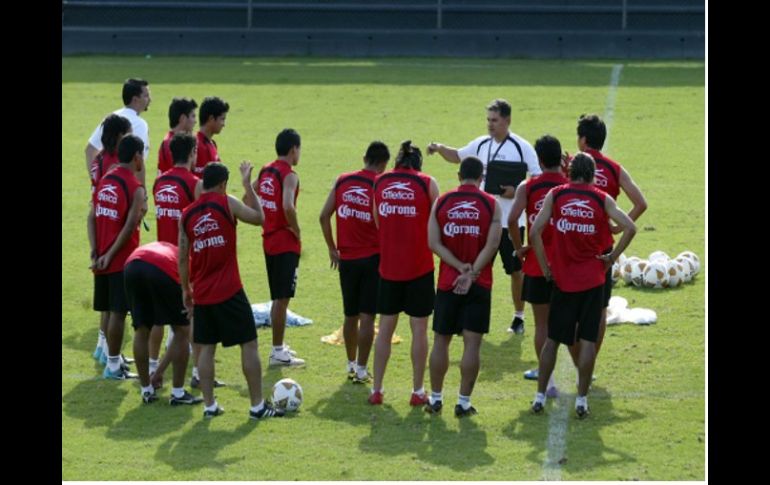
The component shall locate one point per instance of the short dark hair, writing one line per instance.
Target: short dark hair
(582, 167)
(212, 106)
(181, 146)
(287, 139)
(132, 87)
(409, 156)
(471, 168)
(377, 153)
(548, 151)
(214, 173)
(128, 147)
(113, 127)
(179, 107)
(500, 106)
(593, 128)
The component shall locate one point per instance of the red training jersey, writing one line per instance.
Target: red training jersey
(173, 191)
(207, 152)
(536, 189)
(276, 236)
(165, 159)
(356, 231)
(162, 255)
(100, 165)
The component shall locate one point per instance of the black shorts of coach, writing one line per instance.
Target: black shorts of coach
(583, 308)
(282, 274)
(511, 262)
(359, 280)
(230, 322)
(153, 296)
(413, 297)
(110, 293)
(536, 290)
(455, 313)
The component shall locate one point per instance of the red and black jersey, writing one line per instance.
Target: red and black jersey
(210, 229)
(162, 255)
(112, 201)
(207, 152)
(173, 191)
(402, 201)
(580, 227)
(276, 236)
(536, 189)
(100, 165)
(356, 231)
(607, 176)
(165, 158)
(464, 216)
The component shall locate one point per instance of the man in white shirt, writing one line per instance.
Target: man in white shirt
(136, 98)
(501, 145)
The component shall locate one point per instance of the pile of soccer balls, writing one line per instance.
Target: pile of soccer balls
(287, 395)
(657, 271)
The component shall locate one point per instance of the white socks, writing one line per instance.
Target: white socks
(258, 407)
(420, 391)
(177, 391)
(519, 315)
(153, 365)
(195, 373)
(464, 401)
(581, 401)
(540, 397)
(360, 371)
(113, 363)
(435, 396)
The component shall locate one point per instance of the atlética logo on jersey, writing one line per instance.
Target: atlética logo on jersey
(600, 179)
(398, 191)
(167, 193)
(578, 208)
(204, 224)
(266, 187)
(538, 206)
(108, 193)
(464, 210)
(356, 195)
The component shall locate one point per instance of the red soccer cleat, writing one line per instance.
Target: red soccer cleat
(417, 400)
(375, 398)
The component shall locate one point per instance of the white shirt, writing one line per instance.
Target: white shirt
(486, 149)
(138, 127)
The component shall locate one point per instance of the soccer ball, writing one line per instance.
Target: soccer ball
(675, 272)
(287, 394)
(692, 257)
(637, 271)
(626, 267)
(621, 259)
(655, 275)
(658, 256)
(689, 267)
(616, 272)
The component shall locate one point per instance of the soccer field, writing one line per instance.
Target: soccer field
(648, 402)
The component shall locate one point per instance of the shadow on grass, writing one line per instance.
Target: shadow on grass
(148, 421)
(502, 358)
(198, 448)
(95, 401)
(582, 442)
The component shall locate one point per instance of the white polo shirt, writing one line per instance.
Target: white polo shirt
(514, 149)
(138, 127)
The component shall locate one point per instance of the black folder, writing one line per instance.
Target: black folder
(503, 173)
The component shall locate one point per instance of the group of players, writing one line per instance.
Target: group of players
(388, 225)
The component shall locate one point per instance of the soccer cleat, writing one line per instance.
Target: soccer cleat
(149, 397)
(361, 380)
(434, 408)
(375, 398)
(186, 398)
(552, 392)
(582, 412)
(417, 400)
(195, 383)
(119, 375)
(216, 412)
(126, 360)
(267, 411)
(285, 358)
(517, 326)
(351, 373)
(531, 375)
(537, 407)
(289, 350)
(97, 355)
(461, 412)
(103, 358)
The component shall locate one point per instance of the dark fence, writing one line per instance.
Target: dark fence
(521, 28)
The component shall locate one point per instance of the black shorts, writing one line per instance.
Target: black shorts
(282, 274)
(110, 293)
(511, 262)
(607, 282)
(359, 279)
(230, 322)
(455, 313)
(153, 296)
(536, 290)
(413, 297)
(581, 308)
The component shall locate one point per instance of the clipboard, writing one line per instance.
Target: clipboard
(503, 173)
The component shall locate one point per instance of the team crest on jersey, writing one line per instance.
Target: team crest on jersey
(108, 193)
(398, 191)
(356, 195)
(266, 186)
(464, 210)
(204, 224)
(578, 208)
(167, 193)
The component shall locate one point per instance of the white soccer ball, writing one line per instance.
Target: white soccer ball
(621, 259)
(287, 394)
(689, 267)
(616, 273)
(626, 267)
(658, 256)
(655, 275)
(675, 272)
(637, 271)
(694, 258)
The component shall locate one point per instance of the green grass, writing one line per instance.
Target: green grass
(648, 404)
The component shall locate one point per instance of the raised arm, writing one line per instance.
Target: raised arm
(634, 194)
(250, 210)
(448, 153)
